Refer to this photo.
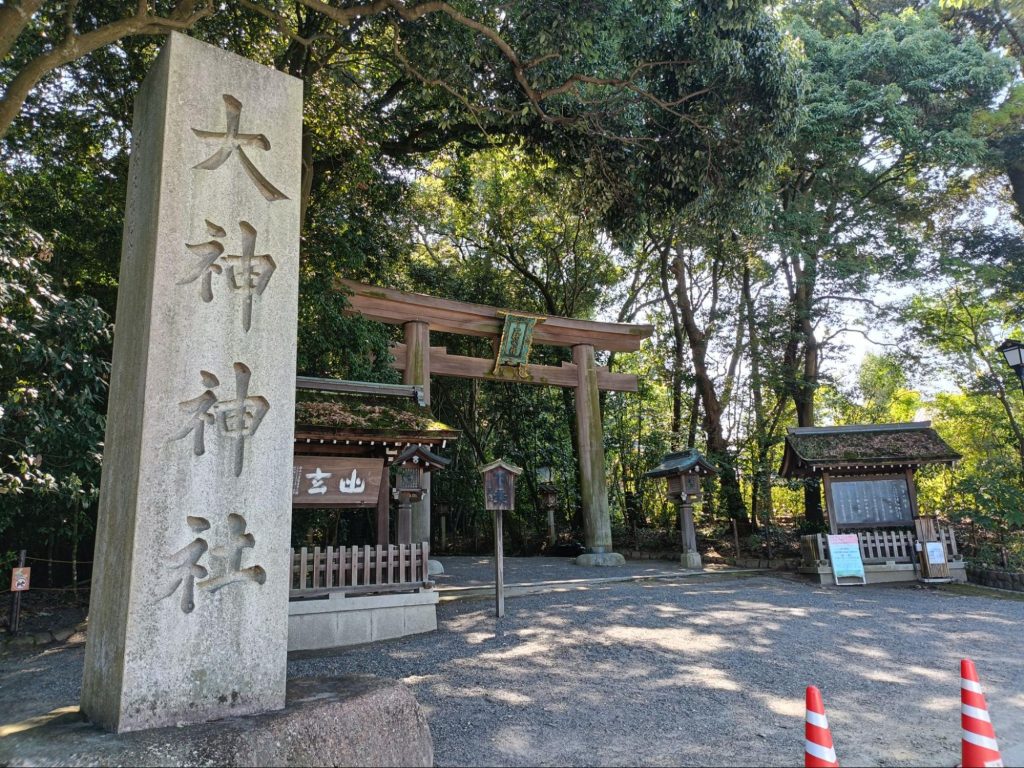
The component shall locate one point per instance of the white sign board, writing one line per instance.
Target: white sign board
(936, 552)
(844, 552)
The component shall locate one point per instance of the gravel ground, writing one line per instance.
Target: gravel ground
(668, 673)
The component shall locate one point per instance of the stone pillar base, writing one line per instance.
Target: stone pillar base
(690, 560)
(600, 559)
(353, 720)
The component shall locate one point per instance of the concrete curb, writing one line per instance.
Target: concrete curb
(449, 594)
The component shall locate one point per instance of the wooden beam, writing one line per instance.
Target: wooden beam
(461, 366)
(360, 387)
(387, 305)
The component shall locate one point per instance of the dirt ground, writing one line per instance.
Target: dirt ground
(682, 672)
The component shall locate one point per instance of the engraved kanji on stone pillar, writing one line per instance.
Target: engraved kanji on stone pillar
(247, 272)
(231, 142)
(188, 618)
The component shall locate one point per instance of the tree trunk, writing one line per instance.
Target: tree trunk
(718, 447)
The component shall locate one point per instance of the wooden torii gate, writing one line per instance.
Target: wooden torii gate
(420, 314)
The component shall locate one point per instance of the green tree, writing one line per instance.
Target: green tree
(885, 132)
(53, 371)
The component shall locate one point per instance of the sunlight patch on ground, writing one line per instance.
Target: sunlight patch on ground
(666, 608)
(34, 722)
(478, 638)
(935, 674)
(700, 677)
(528, 648)
(866, 650)
(879, 676)
(780, 705)
(417, 679)
(941, 704)
(678, 639)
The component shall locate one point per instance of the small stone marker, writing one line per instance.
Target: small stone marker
(188, 618)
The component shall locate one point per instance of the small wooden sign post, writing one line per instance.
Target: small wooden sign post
(499, 495)
(19, 583)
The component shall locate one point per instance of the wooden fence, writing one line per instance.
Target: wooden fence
(878, 546)
(360, 570)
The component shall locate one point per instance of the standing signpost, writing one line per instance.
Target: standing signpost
(499, 496)
(20, 577)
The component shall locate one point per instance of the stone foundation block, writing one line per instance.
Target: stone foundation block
(354, 720)
(600, 559)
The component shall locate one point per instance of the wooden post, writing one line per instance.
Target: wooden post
(417, 367)
(444, 533)
(499, 566)
(384, 509)
(551, 526)
(597, 528)
(15, 616)
(404, 533)
(736, 538)
(417, 371)
(833, 522)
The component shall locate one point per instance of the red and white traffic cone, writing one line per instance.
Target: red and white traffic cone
(818, 749)
(979, 748)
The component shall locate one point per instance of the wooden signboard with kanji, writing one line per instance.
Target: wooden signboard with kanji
(336, 481)
(499, 490)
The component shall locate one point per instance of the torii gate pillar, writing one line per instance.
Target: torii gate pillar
(593, 486)
(417, 371)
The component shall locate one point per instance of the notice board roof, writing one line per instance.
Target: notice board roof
(362, 417)
(812, 450)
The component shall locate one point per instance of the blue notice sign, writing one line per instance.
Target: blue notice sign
(844, 552)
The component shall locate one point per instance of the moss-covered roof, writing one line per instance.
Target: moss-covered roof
(364, 415)
(810, 449)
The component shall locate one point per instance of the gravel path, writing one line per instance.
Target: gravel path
(668, 673)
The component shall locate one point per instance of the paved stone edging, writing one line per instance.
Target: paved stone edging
(31, 639)
(448, 594)
(996, 578)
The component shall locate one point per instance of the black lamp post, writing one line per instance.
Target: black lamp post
(1013, 351)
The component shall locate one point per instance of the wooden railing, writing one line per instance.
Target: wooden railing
(360, 570)
(878, 546)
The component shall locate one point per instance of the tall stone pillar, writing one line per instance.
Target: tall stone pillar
(417, 371)
(188, 619)
(597, 528)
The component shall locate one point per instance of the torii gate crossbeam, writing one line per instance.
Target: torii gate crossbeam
(419, 314)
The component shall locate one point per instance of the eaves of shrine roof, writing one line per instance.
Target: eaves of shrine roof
(862, 447)
(352, 417)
